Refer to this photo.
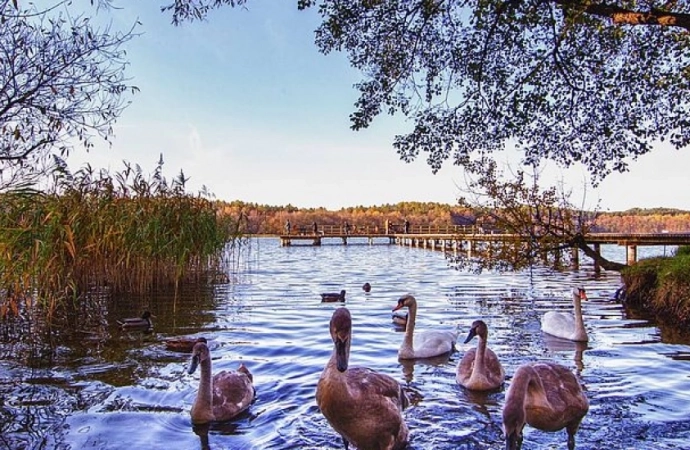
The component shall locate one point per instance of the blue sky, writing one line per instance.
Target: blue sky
(246, 105)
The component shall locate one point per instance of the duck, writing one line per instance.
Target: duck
(426, 344)
(547, 396)
(137, 323)
(479, 369)
(330, 297)
(223, 397)
(567, 325)
(182, 345)
(363, 406)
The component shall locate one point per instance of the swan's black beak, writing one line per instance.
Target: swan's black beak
(193, 365)
(471, 334)
(341, 356)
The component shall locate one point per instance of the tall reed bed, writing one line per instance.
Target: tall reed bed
(125, 231)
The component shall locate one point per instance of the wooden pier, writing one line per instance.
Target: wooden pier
(455, 239)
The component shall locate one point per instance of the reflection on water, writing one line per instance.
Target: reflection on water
(101, 388)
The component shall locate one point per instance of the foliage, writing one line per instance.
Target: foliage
(575, 81)
(94, 229)
(269, 219)
(62, 82)
(545, 217)
(683, 250)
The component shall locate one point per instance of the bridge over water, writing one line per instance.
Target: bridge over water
(458, 238)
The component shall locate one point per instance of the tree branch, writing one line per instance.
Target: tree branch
(623, 16)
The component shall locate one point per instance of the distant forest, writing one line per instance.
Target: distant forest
(264, 219)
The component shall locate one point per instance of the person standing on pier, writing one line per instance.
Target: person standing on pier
(315, 227)
(288, 226)
(407, 226)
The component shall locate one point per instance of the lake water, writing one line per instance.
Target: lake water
(110, 389)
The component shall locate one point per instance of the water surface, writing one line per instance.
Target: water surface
(118, 390)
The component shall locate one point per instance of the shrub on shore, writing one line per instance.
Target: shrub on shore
(661, 286)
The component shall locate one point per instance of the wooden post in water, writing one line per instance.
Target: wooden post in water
(631, 254)
(597, 267)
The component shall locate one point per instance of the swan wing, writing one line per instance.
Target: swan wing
(559, 324)
(434, 343)
(566, 401)
(233, 392)
(465, 367)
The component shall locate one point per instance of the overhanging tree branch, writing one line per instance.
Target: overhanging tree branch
(624, 16)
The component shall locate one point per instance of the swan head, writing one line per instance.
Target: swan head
(580, 293)
(406, 301)
(341, 333)
(513, 423)
(200, 353)
(478, 328)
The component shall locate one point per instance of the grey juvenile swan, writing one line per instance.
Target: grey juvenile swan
(365, 407)
(546, 396)
(479, 369)
(222, 397)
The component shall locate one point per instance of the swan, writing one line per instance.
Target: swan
(546, 396)
(222, 397)
(137, 323)
(479, 369)
(363, 406)
(426, 344)
(399, 318)
(333, 296)
(567, 325)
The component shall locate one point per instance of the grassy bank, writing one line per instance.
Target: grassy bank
(661, 286)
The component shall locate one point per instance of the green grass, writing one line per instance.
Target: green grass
(661, 285)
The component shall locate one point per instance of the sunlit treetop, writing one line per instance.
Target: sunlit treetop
(594, 82)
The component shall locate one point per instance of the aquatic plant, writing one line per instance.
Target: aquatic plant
(93, 229)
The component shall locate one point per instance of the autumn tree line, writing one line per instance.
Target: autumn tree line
(255, 218)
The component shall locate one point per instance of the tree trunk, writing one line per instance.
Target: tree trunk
(580, 242)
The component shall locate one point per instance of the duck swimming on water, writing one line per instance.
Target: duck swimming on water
(137, 323)
(330, 297)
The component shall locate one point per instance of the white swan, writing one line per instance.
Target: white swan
(567, 325)
(479, 369)
(426, 344)
(363, 406)
(546, 396)
(222, 397)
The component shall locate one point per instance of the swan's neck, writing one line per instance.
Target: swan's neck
(479, 356)
(409, 328)
(577, 312)
(526, 387)
(204, 398)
